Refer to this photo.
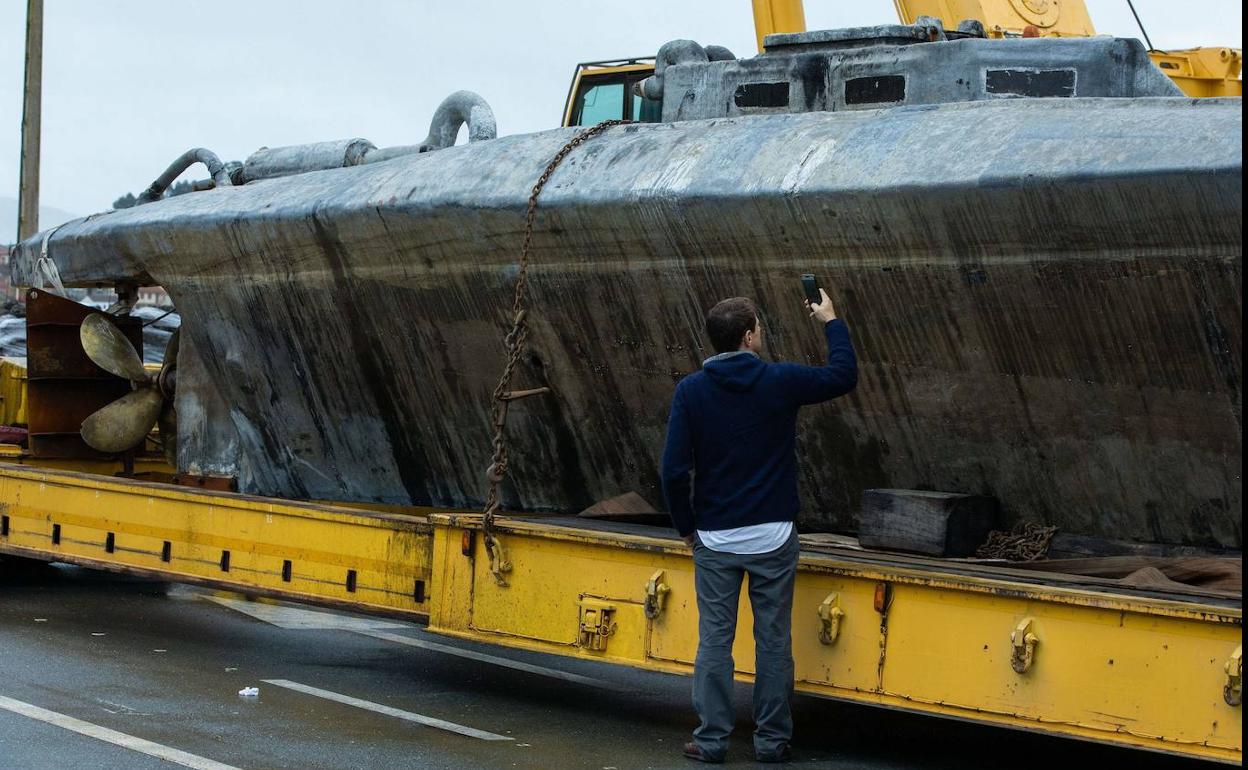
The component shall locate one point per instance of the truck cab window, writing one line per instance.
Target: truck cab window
(599, 102)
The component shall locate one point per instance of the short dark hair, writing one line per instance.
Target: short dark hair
(728, 321)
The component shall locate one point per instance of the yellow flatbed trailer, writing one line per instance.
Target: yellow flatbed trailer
(1065, 655)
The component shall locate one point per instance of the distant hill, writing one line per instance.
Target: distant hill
(48, 217)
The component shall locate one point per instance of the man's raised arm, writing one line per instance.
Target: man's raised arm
(815, 384)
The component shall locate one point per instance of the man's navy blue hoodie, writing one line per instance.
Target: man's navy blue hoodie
(730, 459)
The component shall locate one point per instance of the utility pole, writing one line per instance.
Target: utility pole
(28, 187)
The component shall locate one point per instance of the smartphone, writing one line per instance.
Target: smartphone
(810, 285)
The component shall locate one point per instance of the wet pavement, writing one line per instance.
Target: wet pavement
(158, 668)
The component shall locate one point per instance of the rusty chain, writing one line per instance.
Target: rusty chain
(514, 344)
(1026, 542)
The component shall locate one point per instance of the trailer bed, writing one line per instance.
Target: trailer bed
(1070, 655)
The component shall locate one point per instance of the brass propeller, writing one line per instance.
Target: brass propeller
(123, 424)
(109, 349)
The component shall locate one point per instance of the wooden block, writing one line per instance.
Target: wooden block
(932, 523)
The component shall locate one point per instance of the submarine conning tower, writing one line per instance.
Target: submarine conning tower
(896, 65)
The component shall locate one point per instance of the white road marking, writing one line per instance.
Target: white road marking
(140, 745)
(485, 658)
(440, 724)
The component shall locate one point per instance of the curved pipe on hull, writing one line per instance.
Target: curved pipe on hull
(216, 169)
(455, 110)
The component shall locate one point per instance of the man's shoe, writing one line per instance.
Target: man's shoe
(693, 751)
(785, 754)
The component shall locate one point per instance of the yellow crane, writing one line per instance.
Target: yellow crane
(604, 90)
(1204, 72)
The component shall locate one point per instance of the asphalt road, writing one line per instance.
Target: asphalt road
(101, 671)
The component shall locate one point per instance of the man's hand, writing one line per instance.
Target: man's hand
(823, 311)
(688, 540)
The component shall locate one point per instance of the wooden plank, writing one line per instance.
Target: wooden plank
(1217, 573)
(629, 507)
(1067, 545)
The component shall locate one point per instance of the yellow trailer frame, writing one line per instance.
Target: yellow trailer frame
(986, 644)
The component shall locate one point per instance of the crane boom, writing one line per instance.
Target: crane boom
(772, 16)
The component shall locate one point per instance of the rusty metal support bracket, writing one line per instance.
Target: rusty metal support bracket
(830, 617)
(1023, 643)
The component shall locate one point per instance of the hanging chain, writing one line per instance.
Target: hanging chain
(514, 344)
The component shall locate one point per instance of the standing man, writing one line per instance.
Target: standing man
(730, 479)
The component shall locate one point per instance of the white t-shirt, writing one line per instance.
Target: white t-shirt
(755, 538)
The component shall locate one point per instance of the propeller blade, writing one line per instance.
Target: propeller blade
(168, 422)
(124, 423)
(109, 349)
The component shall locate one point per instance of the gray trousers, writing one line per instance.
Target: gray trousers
(717, 579)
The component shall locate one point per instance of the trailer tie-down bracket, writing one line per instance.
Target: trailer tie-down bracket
(830, 617)
(1233, 690)
(498, 562)
(1023, 643)
(656, 594)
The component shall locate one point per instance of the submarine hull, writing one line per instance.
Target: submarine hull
(1045, 297)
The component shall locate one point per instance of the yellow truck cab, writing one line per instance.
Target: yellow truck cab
(606, 90)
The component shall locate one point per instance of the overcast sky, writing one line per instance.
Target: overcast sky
(130, 84)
